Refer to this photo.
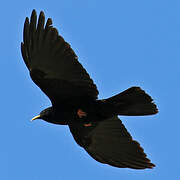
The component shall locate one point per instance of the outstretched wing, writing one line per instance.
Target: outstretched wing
(109, 142)
(53, 65)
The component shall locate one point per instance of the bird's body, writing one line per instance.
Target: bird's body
(94, 123)
(67, 114)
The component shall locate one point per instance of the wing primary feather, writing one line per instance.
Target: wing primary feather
(57, 46)
(134, 158)
(25, 49)
(47, 28)
(26, 31)
(40, 29)
(54, 34)
(47, 38)
(48, 24)
(24, 54)
(33, 22)
(32, 34)
(41, 21)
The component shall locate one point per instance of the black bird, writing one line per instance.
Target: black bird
(94, 123)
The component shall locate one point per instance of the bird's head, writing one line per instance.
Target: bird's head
(49, 115)
(46, 115)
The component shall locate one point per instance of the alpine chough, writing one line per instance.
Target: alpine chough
(94, 123)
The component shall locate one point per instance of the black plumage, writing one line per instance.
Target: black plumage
(94, 123)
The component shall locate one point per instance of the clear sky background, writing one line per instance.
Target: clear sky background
(121, 44)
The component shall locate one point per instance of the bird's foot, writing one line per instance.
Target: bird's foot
(87, 125)
(81, 113)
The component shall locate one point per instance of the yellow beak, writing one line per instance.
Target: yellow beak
(36, 117)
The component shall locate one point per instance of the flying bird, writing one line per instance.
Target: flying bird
(93, 122)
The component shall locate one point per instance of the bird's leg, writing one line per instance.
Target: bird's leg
(87, 125)
(81, 113)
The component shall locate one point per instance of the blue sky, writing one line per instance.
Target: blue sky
(121, 44)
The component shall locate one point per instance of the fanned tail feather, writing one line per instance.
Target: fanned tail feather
(133, 102)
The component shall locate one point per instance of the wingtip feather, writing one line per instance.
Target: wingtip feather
(26, 30)
(48, 24)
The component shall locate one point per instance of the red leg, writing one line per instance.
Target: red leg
(81, 113)
(88, 125)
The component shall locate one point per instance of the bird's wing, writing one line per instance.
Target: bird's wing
(109, 142)
(53, 65)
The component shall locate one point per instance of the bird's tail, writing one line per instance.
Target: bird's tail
(133, 102)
